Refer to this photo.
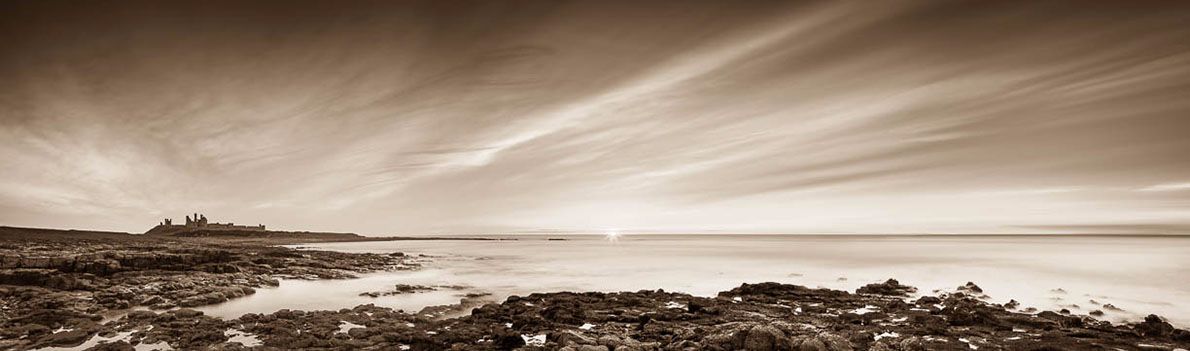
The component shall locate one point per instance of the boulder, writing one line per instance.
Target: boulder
(889, 287)
(928, 300)
(1153, 326)
(611, 341)
(764, 338)
(571, 338)
(507, 340)
(970, 287)
(65, 338)
(821, 342)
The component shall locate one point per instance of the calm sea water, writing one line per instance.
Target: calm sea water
(1141, 275)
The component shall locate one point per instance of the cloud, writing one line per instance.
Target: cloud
(1167, 187)
(415, 117)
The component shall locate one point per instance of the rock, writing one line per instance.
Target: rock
(69, 282)
(970, 287)
(399, 289)
(571, 338)
(611, 341)
(360, 333)
(966, 312)
(1063, 320)
(811, 344)
(929, 324)
(928, 301)
(113, 346)
(1012, 304)
(764, 338)
(141, 315)
(73, 337)
(406, 288)
(26, 276)
(889, 287)
(821, 342)
(507, 340)
(1154, 326)
(186, 313)
(152, 300)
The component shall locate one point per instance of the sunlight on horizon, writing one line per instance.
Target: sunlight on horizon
(612, 235)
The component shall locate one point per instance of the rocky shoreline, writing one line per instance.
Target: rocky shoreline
(58, 290)
(137, 292)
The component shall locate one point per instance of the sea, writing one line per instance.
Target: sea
(1138, 275)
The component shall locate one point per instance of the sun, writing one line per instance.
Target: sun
(612, 235)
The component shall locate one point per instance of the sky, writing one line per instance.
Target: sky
(464, 117)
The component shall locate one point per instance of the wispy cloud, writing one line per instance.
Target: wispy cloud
(405, 118)
(1167, 187)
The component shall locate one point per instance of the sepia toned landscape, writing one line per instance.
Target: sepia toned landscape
(581, 175)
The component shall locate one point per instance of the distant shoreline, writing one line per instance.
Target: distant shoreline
(219, 236)
(353, 237)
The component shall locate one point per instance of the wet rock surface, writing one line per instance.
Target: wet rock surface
(56, 292)
(399, 289)
(890, 287)
(765, 316)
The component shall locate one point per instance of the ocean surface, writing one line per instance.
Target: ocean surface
(1140, 275)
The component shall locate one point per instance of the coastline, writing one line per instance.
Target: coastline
(72, 289)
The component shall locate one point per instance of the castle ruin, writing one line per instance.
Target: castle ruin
(199, 221)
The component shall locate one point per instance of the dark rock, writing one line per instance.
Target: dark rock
(72, 337)
(967, 312)
(971, 288)
(570, 338)
(152, 300)
(764, 338)
(821, 342)
(611, 341)
(186, 313)
(507, 340)
(889, 287)
(1012, 304)
(113, 346)
(1154, 326)
(928, 301)
(1063, 320)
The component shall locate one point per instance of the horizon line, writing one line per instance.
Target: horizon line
(624, 233)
